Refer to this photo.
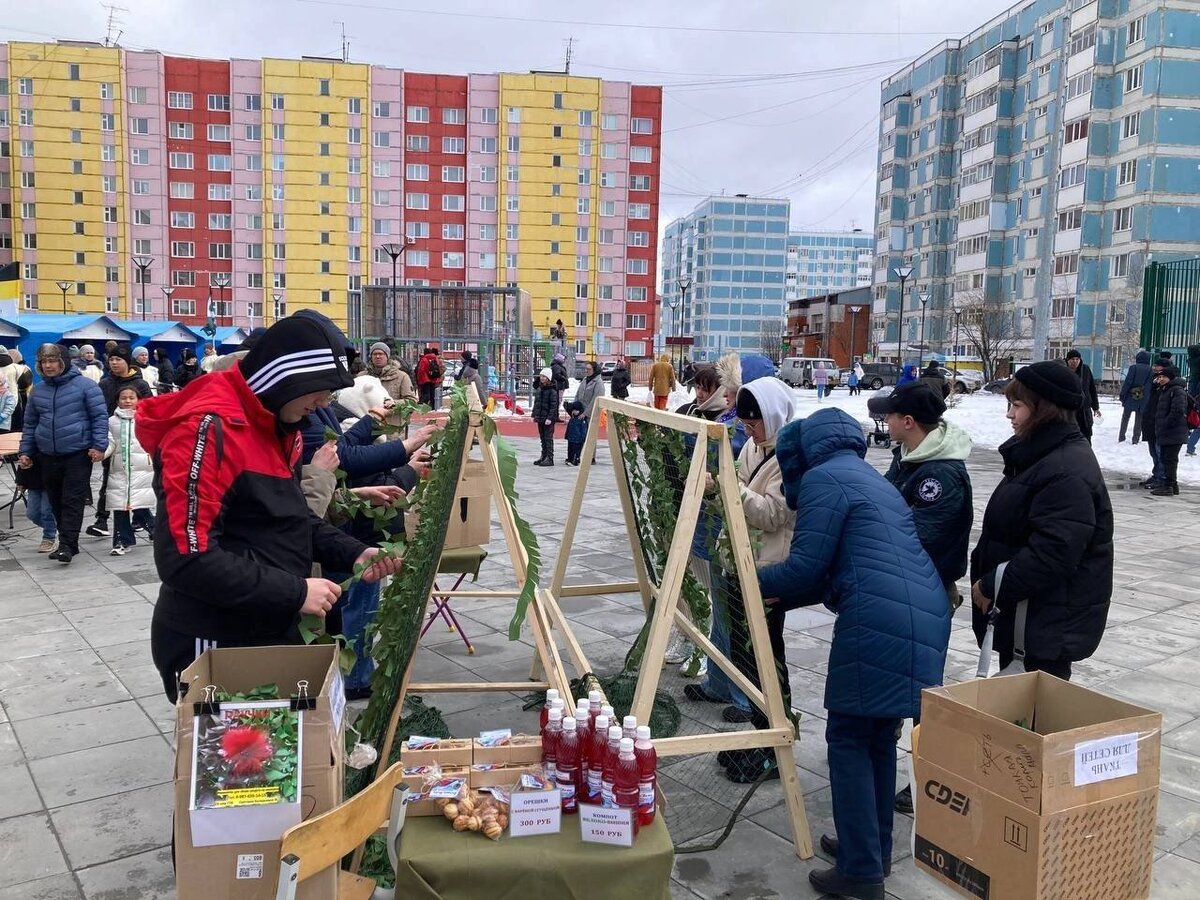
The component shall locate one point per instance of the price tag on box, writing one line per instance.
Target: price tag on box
(535, 812)
(604, 825)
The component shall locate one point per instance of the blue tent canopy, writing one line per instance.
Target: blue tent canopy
(52, 328)
(11, 333)
(170, 333)
(228, 338)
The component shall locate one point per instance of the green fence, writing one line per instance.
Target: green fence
(1171, 308)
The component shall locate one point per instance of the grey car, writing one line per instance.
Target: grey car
(877, 375)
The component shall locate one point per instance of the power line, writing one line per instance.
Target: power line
(844, 204)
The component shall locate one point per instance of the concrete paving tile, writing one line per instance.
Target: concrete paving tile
(18, 795)
(57, 683)
(82, 729)
(1189, 849)
(113, 827)
(1175, 878)
(102, 771)
(23, 599)
(751, 863)
(56, 887)
(28, 850)
(10, 750)
(34, 623)
(1185, 737)
(27, 646)
(1181, 773)
(132, 878)
(115, 623)
(1178, 821)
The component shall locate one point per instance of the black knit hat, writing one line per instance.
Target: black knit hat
(916, 399)
(747, 405)
(1053, 381)
(121, 352)
(1074, 354)
(296, 356)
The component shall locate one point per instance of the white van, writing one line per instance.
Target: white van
(798, 370)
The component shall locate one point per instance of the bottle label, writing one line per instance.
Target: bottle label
(593, 782)
(646, 795)
(551, 770)
(606, 794)
(567, 790)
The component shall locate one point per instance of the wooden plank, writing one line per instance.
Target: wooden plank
(626, 498)
(794, 795)
(559, 621)
(591, 590)
(684, 745)
(467, 687)
(701, 640)
(674, 421)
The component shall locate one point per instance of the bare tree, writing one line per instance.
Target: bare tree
(991, 326)
(771, 334)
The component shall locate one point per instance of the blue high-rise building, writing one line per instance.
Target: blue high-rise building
(1030, 170)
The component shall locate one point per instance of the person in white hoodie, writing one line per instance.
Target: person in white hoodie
(131, 479)
(763, 407)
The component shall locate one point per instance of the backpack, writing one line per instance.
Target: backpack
(434, 370)
(1193, 414)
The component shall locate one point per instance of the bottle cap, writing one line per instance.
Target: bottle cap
(614, 732)
(582, 705)
(626, 745)
(569, 723)
(630, 723)
(643, 733)
(556, 715)
(602, 723)
(581, 701)
(551, 695)
(608, 711)
(556, 703)
(595, 697)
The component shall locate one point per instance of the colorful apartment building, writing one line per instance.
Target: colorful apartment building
(249, 188)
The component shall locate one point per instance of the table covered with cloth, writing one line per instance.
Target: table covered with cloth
(437, 863)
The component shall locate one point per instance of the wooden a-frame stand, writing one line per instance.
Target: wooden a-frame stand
(666, 597)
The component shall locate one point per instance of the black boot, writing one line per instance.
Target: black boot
(1166, 489)
(904, 803)
(830, 846)
(541, 462)
(835, 884)
(1150, 483)
(746, 766)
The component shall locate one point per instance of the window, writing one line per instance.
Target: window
(416, 172)
(585, 176)
(1070, 219)
(180, 161)
(639, 183)
(323, 179)
(635, 323)
(220, 162)
(277, 162)
(253, 162)
(25, 117)
(972, 245)
(454, 117)
(416, 201)
(609, 179)
(976, 174)
(585, 118)
(107, 122)
(1127, 172)
(220, 221)
(182, 190)
(1119, 267)
(323, 87)
(1131, 125)
(512, 203)
(514, 115)
(1072, 175)
(453, 260)
(639, 239)
(137, 95)
(608, 207)
(1062, 308)
(416, 257)
(353, 135)
(254, 221)
(353, 106)
(638, 267)
(487, 174)
(220, 251)
(454, 174)
(514, 143)
(1078, 85)
(254, 133)
(512, 173)
(487, 232)
(1133, 78)
(219, 133)
(641, 126)
(254, 192)
(416, 230)
(180, 131)
(639, 210)
(1075, 131)
(183, 220)
(381, 226)
(183, 249)
(277, 101)
(140, 186)
(453, 203)
(1067, 264)
(277, 192)
(322, 149)
(139, 156)
(1123, 219)
(253, 102)
(981, 101)
(454, 145)
(218, 102)
(1082, 40)
(453, 232)
(381, 139)
(641, 154)
(512, 231)
(487, 203)
(417, 114)
(279, 281)
(609, 122)
(381, 168)
(1137, 31)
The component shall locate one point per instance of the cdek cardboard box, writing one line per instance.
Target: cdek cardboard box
(1032, 788)
(470, 513)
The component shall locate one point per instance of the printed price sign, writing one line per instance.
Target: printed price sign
(535, 812)
(603, 825)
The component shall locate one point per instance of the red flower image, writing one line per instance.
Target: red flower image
(247, 750)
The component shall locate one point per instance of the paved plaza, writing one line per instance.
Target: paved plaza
(85, 732)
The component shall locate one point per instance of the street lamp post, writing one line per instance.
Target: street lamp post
(854, 311)
(143, 264)
(278, 298)
(924, 303)
(221, 281)
(167, 292)
(902, 272)
(64, 286)
(685, 285)
(957, 316)
(393, 251)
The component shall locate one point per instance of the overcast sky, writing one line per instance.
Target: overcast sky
(810, 137)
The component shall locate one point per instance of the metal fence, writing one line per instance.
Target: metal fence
(1171, 308)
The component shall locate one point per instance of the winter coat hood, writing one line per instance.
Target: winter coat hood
(947, 441)
(776, 403)
(224, 394)
(806, 443)
(1143, 356)
(754, 367)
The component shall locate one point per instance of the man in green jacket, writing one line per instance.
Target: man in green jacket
(929, 470)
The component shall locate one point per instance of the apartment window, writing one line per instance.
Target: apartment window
(512, 203)
(417, 114)
(416, 201)
(254, 192)
(1123, 219)
(381, 168)
(641, 126)
(639, 210)
(512, 173)
(254, 133)
(1067, 264)
(608, 207)
(487, 145)
(1127, 172)
(453, 260)
(1072, 175)
(453, 232)
(381, 226)
(353, 106)
(487, 203)
(639, 182)
(487, 174)
(1036, 192)
(487, 232)
(218, 102)
(140, 186)
(1082, 40)
(353, 135)
(279, 281)
(277, 162)
(253, 102)
(1075, 131)
(981, 101)
(635, 323)
(254, 162)
(976, 174)
(972, 245)
(510, 262)
(1070, 219)
(514, 115)
(416, 257)
(254, 251)
(453, 203)
(381, 139)
(1131, 125)
(454, 117)
(277, 101)
(583, 206)
(183, 220)
(1078, 85)
(1119, 267)
(219, 133)
(220, 221)
(1062, 308)
(180, 131)
(1137, 31)
(323, 87)
(514, 143)
(641, 154)
(220, 162)
(29, 240)
(416, 172)
(182, 190)
(354, 195)
(183, 249)
(488, 115)
(639, 239)
(107, 122)
(220, 251)
(512, 231)
(1133, 79)
(609, 122)
(635, 294)
(585, 118)
(638, 267)
(454, 174)
(323, 179)
(1038, 152)
(254, 222)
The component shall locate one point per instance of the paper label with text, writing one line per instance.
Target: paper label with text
(1106, 758)
(535, 812)
(602, 825)
(250, 865)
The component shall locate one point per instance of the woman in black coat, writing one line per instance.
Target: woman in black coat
(166, 371)
(1090, 404)
(1170, 427)
(1048, 530)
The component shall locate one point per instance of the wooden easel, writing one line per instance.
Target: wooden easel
(667, 595)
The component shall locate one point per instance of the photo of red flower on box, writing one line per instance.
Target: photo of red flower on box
(246, 755)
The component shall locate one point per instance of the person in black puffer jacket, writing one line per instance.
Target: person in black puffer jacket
(620, 381)
(1170, 427)
(1148, 433)
(1089, 406)
(545, 409)
(1049, 523)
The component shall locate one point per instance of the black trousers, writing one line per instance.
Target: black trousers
(1059, 668)
(67, 479)
(1169, 453)
(173, 651)
(741, 653)
(102, 500)
(546, 433)
(425, 393)
(1137, 424)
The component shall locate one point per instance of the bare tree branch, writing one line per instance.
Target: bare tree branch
(992, 327)
(771, 333)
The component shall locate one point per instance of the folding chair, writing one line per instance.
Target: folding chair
(312, 846)
(462, 561)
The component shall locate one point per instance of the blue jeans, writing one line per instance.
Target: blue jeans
(37, 510)
(862, 781)
(1157, 472)
(820, 391)
(125, 521)
(359, 606)
(717, 684)
(1193, 440)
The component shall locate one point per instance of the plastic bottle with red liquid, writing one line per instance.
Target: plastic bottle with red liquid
(597, 751)
(544, 715)
(629, 727)
(550, 736)
(566, 772)
(595, 706)
(607, 710)
(583, 728)
(625, 781)
(610, 765)
(647, 760)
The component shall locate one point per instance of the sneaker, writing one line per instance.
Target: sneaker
(735, 714)
(675, 653)
(904, 802)
(47, 545)
(62, 555)
(118, 551)
(98, 529)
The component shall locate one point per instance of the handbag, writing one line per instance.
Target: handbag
(1017, 665)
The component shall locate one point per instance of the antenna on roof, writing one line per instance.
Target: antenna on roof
(345, 43)
(570, 47)
(113, 24)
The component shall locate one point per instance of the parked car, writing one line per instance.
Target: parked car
(797, 371)
(607, 368)
(877, 375)
(965, 381)
(997, 386)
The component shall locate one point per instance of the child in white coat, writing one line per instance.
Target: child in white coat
(131, 479)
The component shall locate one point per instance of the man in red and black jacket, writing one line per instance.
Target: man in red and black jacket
(235, 542)
(429, 375)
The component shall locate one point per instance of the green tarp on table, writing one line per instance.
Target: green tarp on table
(438, 863)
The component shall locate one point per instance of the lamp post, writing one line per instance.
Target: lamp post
(957, 317)
(221, 281)
(143, 264)
(167, 292)
(902, 272)
(278, 298)
(924, 303)
(685, 285)
(64, 286)
(854, 311)
(393, 251)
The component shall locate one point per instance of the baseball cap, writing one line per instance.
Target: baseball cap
(915, 399)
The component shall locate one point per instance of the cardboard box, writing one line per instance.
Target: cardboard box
(1063, 809)
(471, 512)
(249, 871)
(418, 804)
(521, 750)
(446, 753)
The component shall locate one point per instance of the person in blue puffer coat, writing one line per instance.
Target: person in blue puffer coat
(66, 428)
(855, 548)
